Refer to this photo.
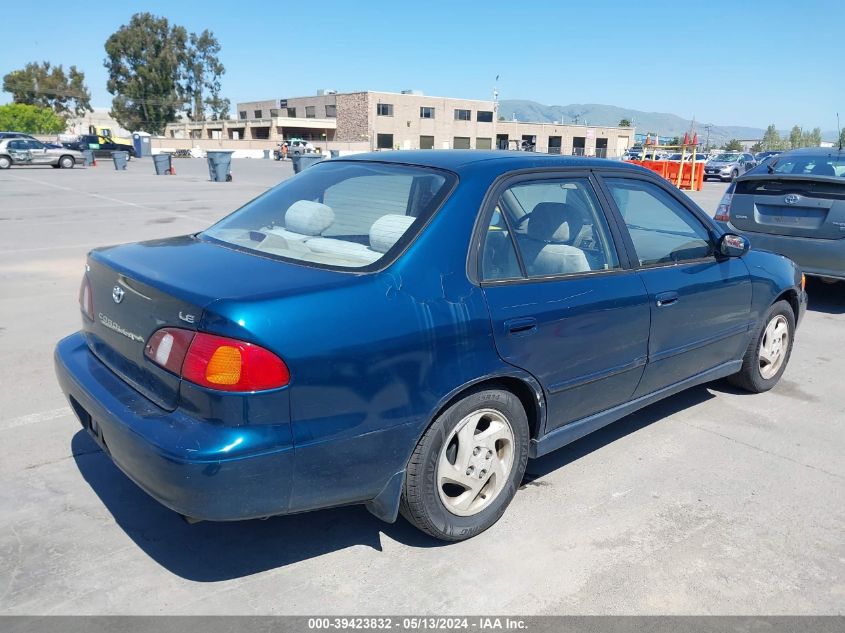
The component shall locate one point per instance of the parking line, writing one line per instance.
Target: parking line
(102, 197)
(33, 418)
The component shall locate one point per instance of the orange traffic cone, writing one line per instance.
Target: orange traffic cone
(172, 170)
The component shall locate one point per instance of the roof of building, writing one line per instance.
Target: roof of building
(504, 160)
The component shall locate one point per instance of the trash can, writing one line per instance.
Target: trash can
(163, 164)
(120, 159)
(335, 153)
(219, 165)
(266, 154)
(88, 155)
(304, 161)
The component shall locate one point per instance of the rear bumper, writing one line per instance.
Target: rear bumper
(820, 258)
(195, 467)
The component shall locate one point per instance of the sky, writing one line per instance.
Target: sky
(742, 62)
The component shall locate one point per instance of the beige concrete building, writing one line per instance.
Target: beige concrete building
(404, 120)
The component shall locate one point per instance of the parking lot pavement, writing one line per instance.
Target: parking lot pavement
(710, 195)
(711, 502)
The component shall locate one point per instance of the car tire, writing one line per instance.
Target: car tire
(5, 162)
(467, 466)
(768, 351)
(66, 162)
(734, 175)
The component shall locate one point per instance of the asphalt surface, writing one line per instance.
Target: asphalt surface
(710, 502)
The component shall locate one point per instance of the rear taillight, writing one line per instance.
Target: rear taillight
(86, 299)
(723, 211)
(217, 362)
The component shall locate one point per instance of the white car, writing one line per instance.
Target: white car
(298, 146)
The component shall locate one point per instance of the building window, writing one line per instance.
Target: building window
(331, 111)
(484, 116)
(384, 141)
(460, 142)
(291, 112)
(274, 112)
(242, 114)
(484, 143)
(426, 112)
(426, 142)
(310, 112)
(257, 114)
(384, 109)
(463, 115)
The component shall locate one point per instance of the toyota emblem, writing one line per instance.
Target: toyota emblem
(791, 198)
(117, 294)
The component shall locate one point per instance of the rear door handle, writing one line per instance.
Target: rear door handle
(666, 299)
(521, 327)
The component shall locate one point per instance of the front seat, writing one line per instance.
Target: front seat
(545, 247)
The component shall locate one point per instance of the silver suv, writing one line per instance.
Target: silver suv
(25, 151)
(728, 166)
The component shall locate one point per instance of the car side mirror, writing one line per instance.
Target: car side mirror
(732, 245)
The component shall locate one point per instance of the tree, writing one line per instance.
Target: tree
(795, 137)
(202, 79)
(842, 138)
(146, 61)
(772, 140)
(32, 119)
(48, 86)
(757, 147)
(812, 139)
(733, 146)
(624, 123)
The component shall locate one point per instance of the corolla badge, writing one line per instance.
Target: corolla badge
(114, 326)
(117, 294)
(791, 198)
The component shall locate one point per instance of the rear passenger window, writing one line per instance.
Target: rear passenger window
(662, 229)
(557, 226)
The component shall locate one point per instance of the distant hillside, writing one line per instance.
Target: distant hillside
(662, 123)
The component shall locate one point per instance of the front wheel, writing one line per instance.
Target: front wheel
(768, 352)
(467, 466)
(5, 162)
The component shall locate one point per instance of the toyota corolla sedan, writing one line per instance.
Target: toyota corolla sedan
(404, 330)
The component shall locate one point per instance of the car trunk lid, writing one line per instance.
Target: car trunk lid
(140, 288)
(797, 206)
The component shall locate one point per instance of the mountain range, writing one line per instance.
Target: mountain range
(662, 123)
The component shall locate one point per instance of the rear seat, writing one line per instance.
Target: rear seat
(384, 233)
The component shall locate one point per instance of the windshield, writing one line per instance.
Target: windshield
(726, 158)
(347, 215)
(808, 164)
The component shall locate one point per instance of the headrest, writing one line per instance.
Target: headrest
(387, 230)
(553, 222)
(308, 218)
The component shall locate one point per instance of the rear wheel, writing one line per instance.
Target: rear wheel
(769, 350)
(466, 468)
(66, 162)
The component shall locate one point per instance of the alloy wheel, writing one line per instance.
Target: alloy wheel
(475, 462)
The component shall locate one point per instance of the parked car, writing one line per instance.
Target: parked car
(298, 146)
(355, 335)
(728, 166)
(794, 205)
(27, 136)
(101, 149)
(700, 158)
(760, 156)
(25, 151)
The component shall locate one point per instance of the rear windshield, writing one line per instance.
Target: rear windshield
(347, 215)
(809, 164)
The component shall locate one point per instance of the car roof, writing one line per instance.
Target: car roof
(498, 160)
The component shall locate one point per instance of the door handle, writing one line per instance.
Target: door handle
(666, 299)
(521, 327)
